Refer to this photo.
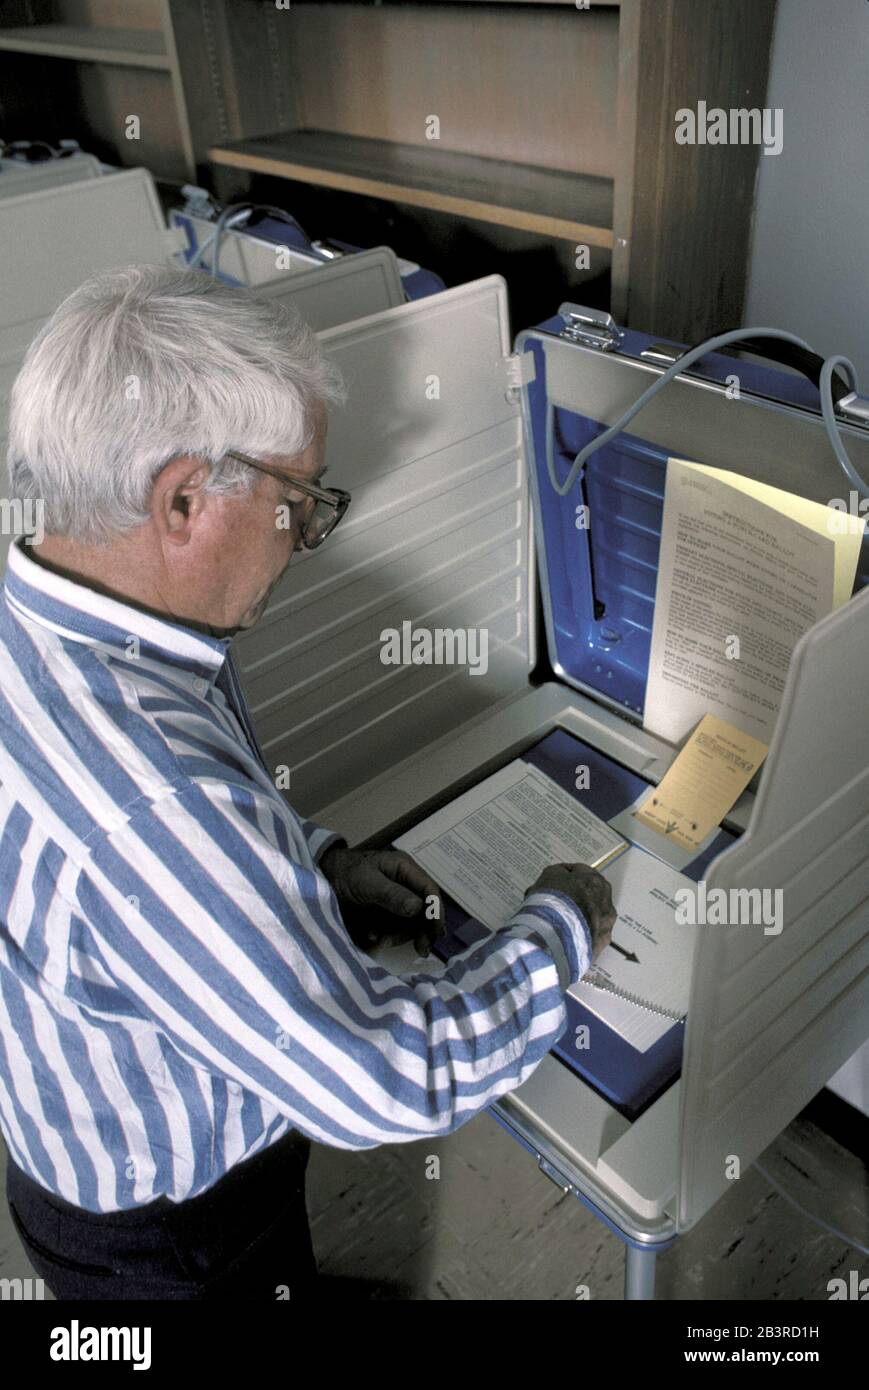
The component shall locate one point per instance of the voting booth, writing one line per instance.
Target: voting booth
(247, 254)
(444, 445)
(20, 176)
(58, 234)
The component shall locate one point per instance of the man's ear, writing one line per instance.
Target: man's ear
(177, 498)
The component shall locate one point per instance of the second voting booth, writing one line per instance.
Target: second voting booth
(444, 445)
(61, 224)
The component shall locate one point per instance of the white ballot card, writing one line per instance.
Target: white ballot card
(489, 845)
(650, 954)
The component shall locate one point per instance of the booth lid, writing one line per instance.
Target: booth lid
(598, 546)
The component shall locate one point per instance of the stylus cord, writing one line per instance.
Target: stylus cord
(687, 360)
(815, 1220)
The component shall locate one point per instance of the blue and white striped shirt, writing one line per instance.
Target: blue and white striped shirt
(177, 989)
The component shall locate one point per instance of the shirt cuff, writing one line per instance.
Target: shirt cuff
(319, 840)
(555, 922)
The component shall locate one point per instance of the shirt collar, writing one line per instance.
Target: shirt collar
(79, 613)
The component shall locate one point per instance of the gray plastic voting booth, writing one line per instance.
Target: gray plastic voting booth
(56, 237)
(340, 290)
(433, 447)
(17, 176)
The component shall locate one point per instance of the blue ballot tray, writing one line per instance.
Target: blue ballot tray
(630, 1080)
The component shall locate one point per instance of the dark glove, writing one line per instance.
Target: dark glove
(384, 896)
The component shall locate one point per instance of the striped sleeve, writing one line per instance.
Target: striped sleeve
(318, 839)
(239, 955)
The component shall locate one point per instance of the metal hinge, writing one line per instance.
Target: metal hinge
(855, 407)
(591, 327)
(329, 253)
(520, 368)
(662, 352)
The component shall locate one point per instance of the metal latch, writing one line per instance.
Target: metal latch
(198, 202)
(591, 327)
(555, 1175)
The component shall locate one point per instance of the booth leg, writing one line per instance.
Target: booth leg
(639, 1273)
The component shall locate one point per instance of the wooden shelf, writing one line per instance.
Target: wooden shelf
(553, 203)
(595, 4)
(134, 48)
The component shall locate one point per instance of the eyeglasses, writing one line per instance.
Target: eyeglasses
(330, 503)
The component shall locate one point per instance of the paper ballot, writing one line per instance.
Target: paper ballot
(845, 530)
(651, 953)
(704, 783)
(744, 570)
(488, 846)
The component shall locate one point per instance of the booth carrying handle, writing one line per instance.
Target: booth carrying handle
(790, 350)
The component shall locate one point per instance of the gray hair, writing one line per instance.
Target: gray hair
(142, 365)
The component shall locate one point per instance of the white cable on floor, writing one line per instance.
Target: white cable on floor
(815, 1220)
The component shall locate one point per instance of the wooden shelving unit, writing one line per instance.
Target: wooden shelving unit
(133, 48)
(556, 123)
(89, 65)
(549, 202)
(556, 126)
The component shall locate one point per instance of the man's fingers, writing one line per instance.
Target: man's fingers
(400, 867)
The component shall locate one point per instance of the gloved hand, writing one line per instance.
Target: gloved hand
(372, 883)
(590, 891)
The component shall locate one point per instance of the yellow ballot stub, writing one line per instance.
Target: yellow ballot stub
(707, 778)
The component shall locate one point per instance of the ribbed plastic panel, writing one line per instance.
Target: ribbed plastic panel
(53, 240)
(773, 1016)
(438, 534)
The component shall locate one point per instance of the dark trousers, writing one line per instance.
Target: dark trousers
(245, 1238)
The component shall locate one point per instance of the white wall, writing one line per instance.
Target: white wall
(809, 266)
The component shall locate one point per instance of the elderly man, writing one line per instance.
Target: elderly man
(182, 1008)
